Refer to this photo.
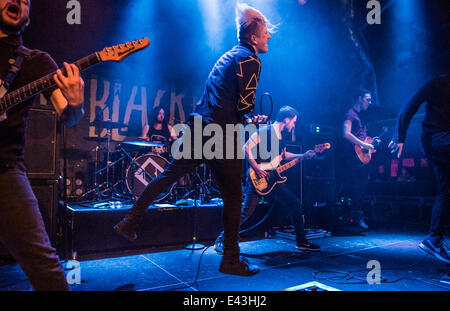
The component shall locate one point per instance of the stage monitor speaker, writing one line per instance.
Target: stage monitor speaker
(41, 144)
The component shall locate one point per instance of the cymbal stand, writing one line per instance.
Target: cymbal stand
(202, 185)
(108, 157)
(207, 185)
(97, 186)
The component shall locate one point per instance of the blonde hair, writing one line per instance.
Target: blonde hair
(250, 21)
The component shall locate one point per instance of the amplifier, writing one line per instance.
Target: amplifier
(41, 148)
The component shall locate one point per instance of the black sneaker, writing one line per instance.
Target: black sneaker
(362, 225)
(439, 251)
(125, 228)
(239, 267)
(218, 245)
(308, 246)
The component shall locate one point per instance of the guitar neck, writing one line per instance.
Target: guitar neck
(288, 165)
(317, 149)
(29, 90)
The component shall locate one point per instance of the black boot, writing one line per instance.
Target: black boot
(126, 228)
(237, 266)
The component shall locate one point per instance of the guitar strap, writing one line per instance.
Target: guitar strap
(14, 69)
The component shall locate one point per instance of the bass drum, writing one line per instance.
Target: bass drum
(142, 171)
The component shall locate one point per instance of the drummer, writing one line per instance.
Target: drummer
(160, 131)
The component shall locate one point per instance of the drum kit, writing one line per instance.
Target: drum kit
(124, 173)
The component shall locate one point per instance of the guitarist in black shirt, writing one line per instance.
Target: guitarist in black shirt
(22, 230)
(270, 138)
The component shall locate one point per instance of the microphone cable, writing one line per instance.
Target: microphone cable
(261, 106)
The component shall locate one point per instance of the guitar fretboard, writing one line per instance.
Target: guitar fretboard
(288, 165)
(317, 149)
(25, 92)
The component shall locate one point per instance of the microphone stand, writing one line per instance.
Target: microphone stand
(196, 246)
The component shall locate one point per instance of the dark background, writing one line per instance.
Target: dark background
(322, 52)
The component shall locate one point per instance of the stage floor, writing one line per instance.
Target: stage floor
(341, 265)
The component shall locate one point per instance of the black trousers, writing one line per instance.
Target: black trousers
(356, 184)
(228, 176)
(437, 149)
(287, 201)
(22, 232)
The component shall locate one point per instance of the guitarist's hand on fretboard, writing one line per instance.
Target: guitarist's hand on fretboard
(309, 154)
(75, 96)
(71, 84)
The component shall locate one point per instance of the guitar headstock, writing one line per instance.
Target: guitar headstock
(117, 53)
(322, 147)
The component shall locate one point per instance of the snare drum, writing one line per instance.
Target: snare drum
(160, 150)
(142, 171)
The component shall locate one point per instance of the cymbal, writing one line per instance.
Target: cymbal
(108, 124)
(143, 144)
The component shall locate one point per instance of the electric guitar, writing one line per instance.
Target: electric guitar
(113, 53)
(265, 185)
(365, 155)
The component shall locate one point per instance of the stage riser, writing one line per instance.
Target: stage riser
(91, 231)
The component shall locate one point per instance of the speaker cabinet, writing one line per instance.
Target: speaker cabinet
(319, 203)
(41, 141)
(46, 192)
(322, 166)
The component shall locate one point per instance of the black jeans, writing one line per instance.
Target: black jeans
(437, 149)
(288, 202)
(22, 232)
(228, 176)
(356, 184)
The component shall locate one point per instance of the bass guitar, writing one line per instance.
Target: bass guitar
(113, 53)
(266, 184)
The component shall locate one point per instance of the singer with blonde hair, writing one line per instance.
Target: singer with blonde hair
(229, 94)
